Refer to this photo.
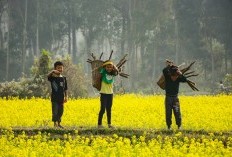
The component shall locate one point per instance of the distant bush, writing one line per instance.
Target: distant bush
(228, 80)
(76, 79)
(38, 86)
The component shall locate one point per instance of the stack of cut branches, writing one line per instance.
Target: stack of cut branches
(96, 64)
(188, 75)
(185, 71)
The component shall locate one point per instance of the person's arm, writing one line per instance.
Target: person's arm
(65, 90)
(49, 75)
(65, 96)
(115, 70)
(166, 69)
(182, 78)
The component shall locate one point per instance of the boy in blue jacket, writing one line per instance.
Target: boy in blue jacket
(59, 92)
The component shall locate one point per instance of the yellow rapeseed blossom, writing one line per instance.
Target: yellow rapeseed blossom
(211, 114)
(131, 111)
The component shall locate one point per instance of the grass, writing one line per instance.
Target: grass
(149, 134)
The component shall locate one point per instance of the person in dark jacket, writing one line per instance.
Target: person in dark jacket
(173, 77)
(59, 92)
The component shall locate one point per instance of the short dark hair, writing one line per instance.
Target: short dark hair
(58, 63)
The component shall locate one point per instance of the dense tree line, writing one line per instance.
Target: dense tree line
(149, 31)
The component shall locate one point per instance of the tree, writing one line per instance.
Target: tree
(214, 14)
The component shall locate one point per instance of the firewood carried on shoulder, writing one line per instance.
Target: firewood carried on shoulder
(96, 64)
(185, 71)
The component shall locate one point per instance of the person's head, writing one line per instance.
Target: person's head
(174, 72)
(108, 65)
(59, 66)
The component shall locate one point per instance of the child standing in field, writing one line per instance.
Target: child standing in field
(173, 77)
(59, 92)
(108, 71)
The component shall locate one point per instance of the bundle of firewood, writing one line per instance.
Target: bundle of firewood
(185, 71)
(98, 63)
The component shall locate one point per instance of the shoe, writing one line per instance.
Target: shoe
(111, 127)
(55, 125)
(169, 128)
(100, 127)
(60, 126)
(179, 128)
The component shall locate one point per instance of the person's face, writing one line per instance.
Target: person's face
(59, 68)
(109, 68)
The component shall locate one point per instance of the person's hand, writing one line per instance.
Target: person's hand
(65, 99)
(179, 72)
(115, 68)
(55, 72)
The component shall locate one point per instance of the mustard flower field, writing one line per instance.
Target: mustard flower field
(26, 128)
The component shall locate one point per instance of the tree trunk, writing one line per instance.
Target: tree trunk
(52, 31)
(74, 53)
(177, 42)
(130, 44)
(70, 23)
(7, 57)
(69, 36)
(37, 30)
(1, 38)
(24, 40)
(212, 60)
(88, 49)
(123, 36)
(226, 60)
(205, 69)
(154, 63)
(8, 42)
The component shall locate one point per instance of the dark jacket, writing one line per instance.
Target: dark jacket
(172, 87)
(59, 86)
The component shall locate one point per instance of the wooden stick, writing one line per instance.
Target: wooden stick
(119, 62)
(122, 63)
(111, 54)
(93, 56)
(123, 58)
(187, 68)
(191, 75)
(169, 61)
(195, 88)
(90, 60)
(192, 85)
(124, 74)
(100, 56)
(189, 72)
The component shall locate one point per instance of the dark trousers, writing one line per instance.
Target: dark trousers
(172, 104)
(57, 111)
(106, 104)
